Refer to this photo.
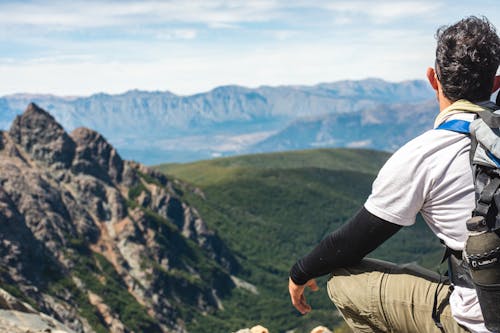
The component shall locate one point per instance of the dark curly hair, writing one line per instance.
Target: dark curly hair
(467, 58)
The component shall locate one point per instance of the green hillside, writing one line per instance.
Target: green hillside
(272, 209)
(222, 169)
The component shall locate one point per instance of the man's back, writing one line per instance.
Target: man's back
(434, 178)
(430, 175)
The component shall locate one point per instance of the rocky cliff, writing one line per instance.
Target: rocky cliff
(99, 243)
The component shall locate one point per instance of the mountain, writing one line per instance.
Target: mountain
(272, 209)
(90, 242)
(98, 243)
(383, 127)
(155, 127)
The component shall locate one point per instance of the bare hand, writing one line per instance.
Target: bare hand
(297, 295)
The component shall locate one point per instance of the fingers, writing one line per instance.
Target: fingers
(300, 303)
(302, 306)
(313, 285)
(297, 295)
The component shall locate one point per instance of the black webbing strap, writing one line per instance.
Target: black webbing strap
(486, 197)
(472, 153)
(458, 270)
(436, 313)
(449, 252)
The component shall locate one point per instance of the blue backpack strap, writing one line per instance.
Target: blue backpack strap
(462, 126)
(456, 125)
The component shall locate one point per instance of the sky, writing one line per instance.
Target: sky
(77, 48)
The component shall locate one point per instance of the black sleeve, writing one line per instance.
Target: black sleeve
(345, 246)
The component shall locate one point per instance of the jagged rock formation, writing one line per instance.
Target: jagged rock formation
(99, 243)
(19, 317)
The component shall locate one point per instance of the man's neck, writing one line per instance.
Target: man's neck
(444, 102)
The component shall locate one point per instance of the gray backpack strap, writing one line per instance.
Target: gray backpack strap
(486, 198)
(482, 248)
(491, 119)
(479, 264)
(485, 133)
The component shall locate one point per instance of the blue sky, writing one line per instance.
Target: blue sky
(83, 47)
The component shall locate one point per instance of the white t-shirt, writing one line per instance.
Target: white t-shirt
(431, 174)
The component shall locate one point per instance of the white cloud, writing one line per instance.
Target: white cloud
(284, 34)
(176, 34)
(188, 46)
(192, 72)
(383, 11)
(78, 14)
(99, 14)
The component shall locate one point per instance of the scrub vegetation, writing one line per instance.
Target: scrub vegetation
(271, 209)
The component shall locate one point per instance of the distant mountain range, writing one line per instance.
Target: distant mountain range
(383, 127)
(154, 127)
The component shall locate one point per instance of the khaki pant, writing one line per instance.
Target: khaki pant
(378, 296)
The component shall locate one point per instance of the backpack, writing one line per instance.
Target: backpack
(478, 266)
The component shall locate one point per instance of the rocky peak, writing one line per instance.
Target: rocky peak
(82, 229)
(95, 156)
(38, 133)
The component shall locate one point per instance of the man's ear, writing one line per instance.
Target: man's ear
(496, 84)
(431, 76)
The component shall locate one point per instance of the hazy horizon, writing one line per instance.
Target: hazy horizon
(70, 97)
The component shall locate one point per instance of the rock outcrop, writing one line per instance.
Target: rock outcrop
(96, 157)
(262, 329)
(20, 317)
(321, 329)
(42, 137)
(99, 243)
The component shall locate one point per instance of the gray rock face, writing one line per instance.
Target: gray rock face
(95, 156)
(82, 229)
(9, 302)
(192, 226)
(23, 257)
(42, 137)
(19, 317)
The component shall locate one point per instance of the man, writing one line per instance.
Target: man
(431, 174)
